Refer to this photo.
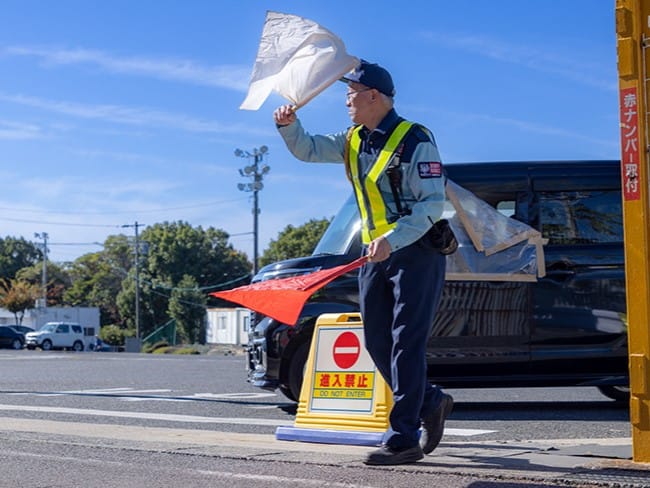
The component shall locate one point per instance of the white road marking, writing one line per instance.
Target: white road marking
(468, 432)
(269, 407)
(188, 418)
(279, 480)
(114, 390)
(234, 396)
(32, 357)
(154, 399)
(143, 415)
(123, 394)
(107, 392)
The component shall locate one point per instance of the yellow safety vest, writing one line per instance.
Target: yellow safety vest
(372, 207)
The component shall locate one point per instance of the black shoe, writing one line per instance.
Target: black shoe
(433, 424)
(385, 456)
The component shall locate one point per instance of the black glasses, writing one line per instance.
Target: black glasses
(352, 94)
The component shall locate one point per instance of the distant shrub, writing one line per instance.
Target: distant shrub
(166, 349)
(162, 350)
(187, 350)
(153, 348)
(112, 335)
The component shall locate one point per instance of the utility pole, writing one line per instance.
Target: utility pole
(136, 225)
(44, 236)
(256, 173)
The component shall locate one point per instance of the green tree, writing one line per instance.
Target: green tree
(171, 251)
(17, 296)
(187, 307)
(97, 278)
(15, 254)
(58, 280)
(112, 335)
(294, 242)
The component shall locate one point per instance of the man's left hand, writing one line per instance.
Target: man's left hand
(378, 250)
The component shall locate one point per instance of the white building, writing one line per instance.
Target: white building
(227, 326)
(87, 317)
(35, 318)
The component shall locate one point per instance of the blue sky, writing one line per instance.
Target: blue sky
(124, 111)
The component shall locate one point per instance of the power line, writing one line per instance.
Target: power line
(200, 305)
(87, 212)
(76, 244)
(76, 224)
(199, 288)
(70, 224)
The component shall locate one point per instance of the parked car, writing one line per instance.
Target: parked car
(11, 338)
(101, 346)
(23, 329)
(57, 335)
(566, 329)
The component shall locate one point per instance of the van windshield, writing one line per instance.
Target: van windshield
(342, 231)
(47, 328)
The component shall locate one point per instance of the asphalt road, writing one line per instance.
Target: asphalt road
(122, 420)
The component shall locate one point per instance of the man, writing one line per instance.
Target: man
(400, 286)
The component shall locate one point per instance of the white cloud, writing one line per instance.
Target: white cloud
(233, 77)
(136, 116)
(63, 197)
(93, 195)
(19, 131)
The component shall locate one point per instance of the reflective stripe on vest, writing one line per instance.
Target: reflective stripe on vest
(372, 207)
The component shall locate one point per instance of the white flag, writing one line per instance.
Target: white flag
(298, 59)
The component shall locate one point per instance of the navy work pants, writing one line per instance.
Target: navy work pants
(398, 299)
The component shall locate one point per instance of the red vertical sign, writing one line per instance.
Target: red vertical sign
(630, 143)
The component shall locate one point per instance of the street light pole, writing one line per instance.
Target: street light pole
(44, 236)
(256, 173)
(256, 215)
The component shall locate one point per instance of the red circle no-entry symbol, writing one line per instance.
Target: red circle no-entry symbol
(346, 350)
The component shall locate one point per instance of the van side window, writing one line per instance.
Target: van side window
(583, 217)
(63, 329)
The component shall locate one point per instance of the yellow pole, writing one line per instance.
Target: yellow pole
(633, 36)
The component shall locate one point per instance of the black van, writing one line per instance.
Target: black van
(566, 329)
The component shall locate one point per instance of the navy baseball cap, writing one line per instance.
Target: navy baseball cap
(372, 76)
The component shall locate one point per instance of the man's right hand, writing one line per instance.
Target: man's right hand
(284, 115)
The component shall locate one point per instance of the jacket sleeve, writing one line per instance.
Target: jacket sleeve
(422, 178)
(317, 148)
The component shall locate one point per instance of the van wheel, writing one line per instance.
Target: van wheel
(47, 345)
(16, 344)
(618, 393)
(78, 346)
(297, 370)
(287, 392)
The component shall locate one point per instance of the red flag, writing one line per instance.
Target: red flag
(283, 299)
